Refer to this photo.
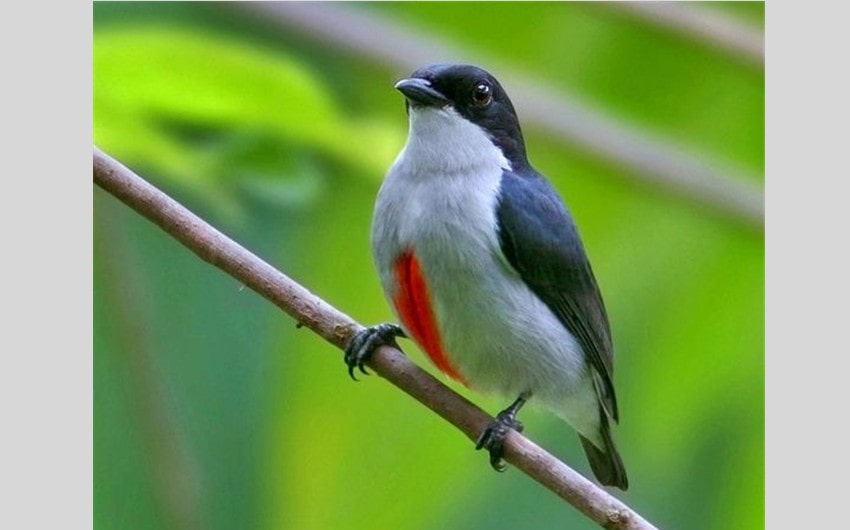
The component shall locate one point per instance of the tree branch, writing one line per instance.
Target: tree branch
(646, 158)
(337, 328)
(701, 24)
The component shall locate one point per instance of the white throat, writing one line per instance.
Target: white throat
(441, 141)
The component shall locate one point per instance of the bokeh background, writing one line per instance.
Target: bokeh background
(212, 411)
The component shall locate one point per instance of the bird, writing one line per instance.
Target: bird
(483, 265)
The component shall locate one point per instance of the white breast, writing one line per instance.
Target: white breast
(439, 200)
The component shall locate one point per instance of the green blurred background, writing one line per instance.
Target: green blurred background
(212, 411)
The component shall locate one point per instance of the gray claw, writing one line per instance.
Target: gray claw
(364, 343)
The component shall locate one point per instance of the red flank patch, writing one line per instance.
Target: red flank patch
(413, 303)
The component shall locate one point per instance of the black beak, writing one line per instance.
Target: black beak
(420, 94)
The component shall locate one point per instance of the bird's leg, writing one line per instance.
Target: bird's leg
(366, 340)
(493, 437)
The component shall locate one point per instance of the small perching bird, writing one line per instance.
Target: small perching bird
(484, 267)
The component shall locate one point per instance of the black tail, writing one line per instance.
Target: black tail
(606, 464)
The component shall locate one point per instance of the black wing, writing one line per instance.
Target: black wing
(540, 240)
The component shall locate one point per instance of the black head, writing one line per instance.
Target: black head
(474, 94)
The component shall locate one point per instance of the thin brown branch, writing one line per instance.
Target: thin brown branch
(172, 467)
(337, 328)
(702, 24)
(645, 158)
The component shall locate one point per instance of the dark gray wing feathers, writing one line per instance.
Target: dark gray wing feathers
(540, 240)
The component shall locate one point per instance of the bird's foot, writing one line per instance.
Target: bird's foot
(493, 437)
(364, 343)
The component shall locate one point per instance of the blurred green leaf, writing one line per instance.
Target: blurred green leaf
(197, 107)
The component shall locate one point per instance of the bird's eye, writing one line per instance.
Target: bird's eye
(482, 95)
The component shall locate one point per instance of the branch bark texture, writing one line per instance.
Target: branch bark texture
(338, 328)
